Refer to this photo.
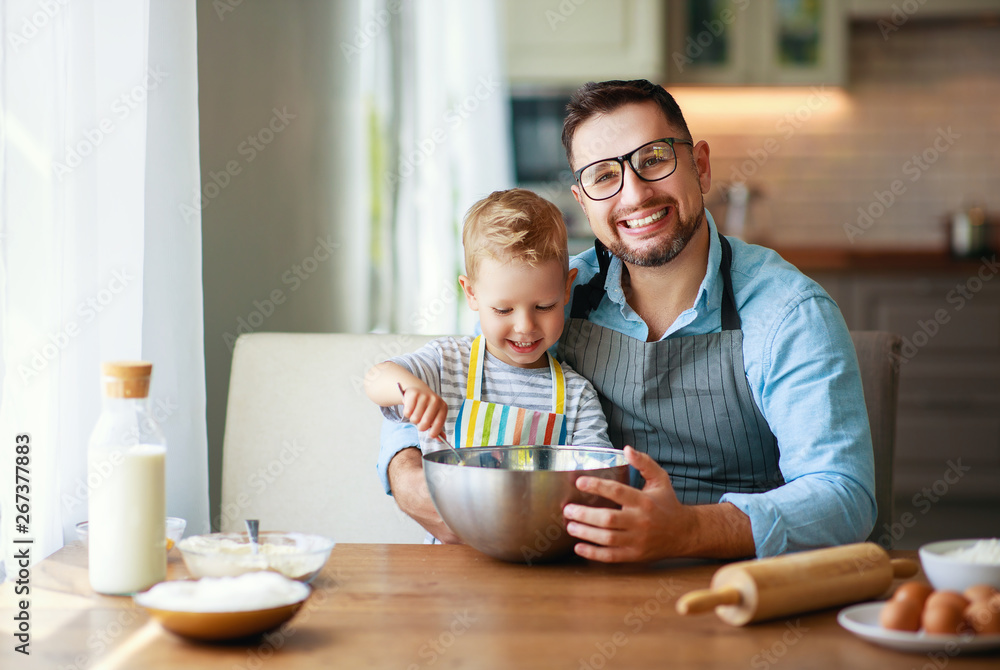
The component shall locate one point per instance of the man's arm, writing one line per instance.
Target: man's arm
(401, 470)
(810, 393)
(395, 437)
(406, 477)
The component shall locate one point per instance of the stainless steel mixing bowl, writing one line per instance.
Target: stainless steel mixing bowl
(507, 501)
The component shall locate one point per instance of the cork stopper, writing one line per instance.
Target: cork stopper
(126, 379)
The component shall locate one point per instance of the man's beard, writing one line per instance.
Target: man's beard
(667, 248)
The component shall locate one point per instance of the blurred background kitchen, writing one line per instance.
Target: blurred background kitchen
(341, 143)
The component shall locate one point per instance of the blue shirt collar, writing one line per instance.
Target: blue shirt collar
(709, 297)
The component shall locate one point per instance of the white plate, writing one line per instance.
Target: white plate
(862, 620)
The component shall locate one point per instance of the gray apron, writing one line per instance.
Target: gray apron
(684, 401)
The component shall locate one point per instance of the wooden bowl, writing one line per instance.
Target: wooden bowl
(216, 626)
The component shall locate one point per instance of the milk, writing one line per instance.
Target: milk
(127, 540)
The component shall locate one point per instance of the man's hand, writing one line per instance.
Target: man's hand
(406, 479)
(652, 524)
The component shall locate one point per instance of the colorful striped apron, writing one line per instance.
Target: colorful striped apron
(487, 424)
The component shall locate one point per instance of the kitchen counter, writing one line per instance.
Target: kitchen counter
(878, 261)
(417, 606)
(847, 260)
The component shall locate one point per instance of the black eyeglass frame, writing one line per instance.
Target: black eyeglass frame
(627, 159)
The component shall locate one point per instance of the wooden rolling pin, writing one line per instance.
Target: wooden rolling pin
(757, 590)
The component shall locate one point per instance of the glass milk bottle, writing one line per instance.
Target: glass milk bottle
(125, 471)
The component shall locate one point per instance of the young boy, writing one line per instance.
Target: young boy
(502, 387)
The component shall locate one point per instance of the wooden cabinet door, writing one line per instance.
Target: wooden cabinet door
(570, 42)
(802, 42)
(750, 42)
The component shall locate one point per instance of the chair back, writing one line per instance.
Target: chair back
(878, 357)
(302, 438)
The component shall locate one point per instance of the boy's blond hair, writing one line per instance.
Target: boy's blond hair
(516, 223)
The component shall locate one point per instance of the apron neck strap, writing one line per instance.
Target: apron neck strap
(477, 359)
(558, 385)
(586, 297)
(477, 368)
(730, 316)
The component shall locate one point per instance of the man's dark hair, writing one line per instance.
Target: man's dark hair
(603, 97)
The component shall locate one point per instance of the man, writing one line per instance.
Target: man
(715, 359)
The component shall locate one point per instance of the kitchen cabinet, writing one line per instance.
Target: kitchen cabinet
(757, 42)
(566, 43)
(948, 425)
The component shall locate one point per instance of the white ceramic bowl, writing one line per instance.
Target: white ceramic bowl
(952, 573)
(298, 556)
(175, 530)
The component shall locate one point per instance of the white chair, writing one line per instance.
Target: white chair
(302, 438)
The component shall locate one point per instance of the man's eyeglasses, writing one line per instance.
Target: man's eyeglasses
(653, 161)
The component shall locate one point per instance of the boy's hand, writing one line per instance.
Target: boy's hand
(424, 408)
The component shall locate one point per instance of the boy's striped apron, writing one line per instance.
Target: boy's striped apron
(487, 424)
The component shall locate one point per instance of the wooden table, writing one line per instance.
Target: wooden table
(421, 606)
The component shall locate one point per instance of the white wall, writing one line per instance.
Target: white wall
(263, 263)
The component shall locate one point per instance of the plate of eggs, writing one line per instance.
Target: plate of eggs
(920, 619)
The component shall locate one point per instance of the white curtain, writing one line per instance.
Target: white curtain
(436, 97)
(99, 146)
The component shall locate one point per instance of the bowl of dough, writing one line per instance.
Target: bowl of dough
(298, 556)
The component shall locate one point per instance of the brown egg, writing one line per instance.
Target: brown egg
(980, 592)
(983, 618)
(900, 615)
(916, 592)
(953, 598)
(943, 618)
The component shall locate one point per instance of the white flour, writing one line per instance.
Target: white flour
(252, 591)
(983, 551)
